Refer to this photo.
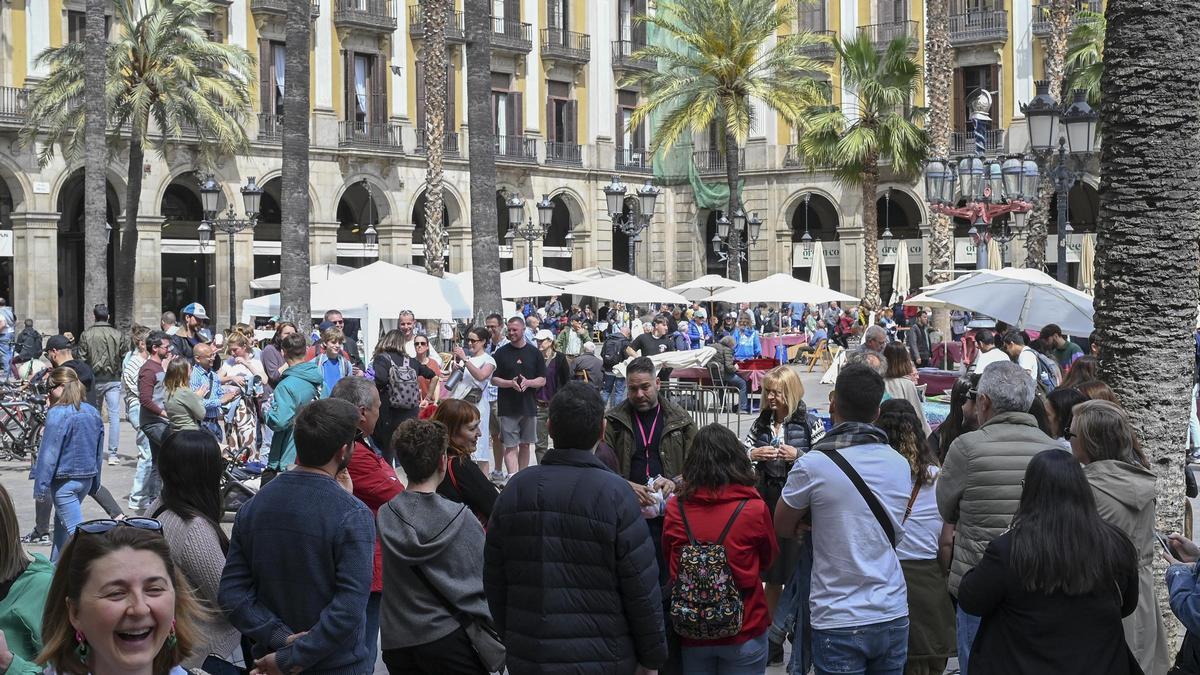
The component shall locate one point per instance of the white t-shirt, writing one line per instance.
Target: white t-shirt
(995, 355)
(469, 381)
(924, 524)
(1029, 363)
(856, 576)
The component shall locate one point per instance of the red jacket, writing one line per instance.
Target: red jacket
(375, 483)
(750, 547)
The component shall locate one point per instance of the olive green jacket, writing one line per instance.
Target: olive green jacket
(677, 434)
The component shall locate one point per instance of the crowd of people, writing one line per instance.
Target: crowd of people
(498, 504)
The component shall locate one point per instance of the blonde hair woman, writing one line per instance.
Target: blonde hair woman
(1104, 443)
(185, 408)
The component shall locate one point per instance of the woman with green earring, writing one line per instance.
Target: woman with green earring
(24, 582)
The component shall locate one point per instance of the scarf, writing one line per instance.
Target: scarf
(849, 434)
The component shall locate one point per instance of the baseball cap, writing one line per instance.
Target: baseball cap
(543, 334)
(57, 342)
(197, 310)
(701, 313)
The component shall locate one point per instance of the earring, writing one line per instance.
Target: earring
(82, 649)
(171, 639)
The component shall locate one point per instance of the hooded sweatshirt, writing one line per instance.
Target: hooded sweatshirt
(300, 384)
(446, 540)
(1125, 496)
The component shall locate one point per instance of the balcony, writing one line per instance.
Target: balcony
(962, 143)
(13, 106)
(512, 36)
(449, 145)
(270, 128)
(1043, 23)
(623, 57)
(633, 160)
(564, 154)
(455, 28)
(280, 7)
(516, 149)
(713, 161)
(822, 51)
(565, 46)
(376, 16)
(882, 34)
(384, 136)
(978, 28)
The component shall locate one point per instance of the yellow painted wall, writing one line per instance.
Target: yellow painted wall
(1008, 73)
(20, 56)
(56, 22)
(833, 17)
(579, 25)
(255, 50)
(865, 16)
(916, 12)
(339, 70)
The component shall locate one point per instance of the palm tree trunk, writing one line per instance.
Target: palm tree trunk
(434, 54)
(733, 269)
(870, 219)
(294, 290)
(1146, 244)
(939, 61)
(485, 245)
(1061, 12)
(95, 275)
(126, 266)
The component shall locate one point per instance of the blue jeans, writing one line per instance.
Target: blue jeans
(746, 658)
(6, 355)
(1194, 422)
(68, 494)
(737, 381)
(793, 613)
(372, 636)
(613, 390)
(145, 479)
(875, 649)
(968, 626)
(110, 393)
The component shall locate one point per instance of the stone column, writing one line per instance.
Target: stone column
(243, 272)
(395, 243)
(147, 279)
(322, 242)
(853, 260)
(460, 249)
(35, 269)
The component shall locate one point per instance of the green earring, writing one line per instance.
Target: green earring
(171, 639)
(81, 648)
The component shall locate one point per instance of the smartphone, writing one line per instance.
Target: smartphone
(1165, 543)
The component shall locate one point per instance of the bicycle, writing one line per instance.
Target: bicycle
(22, 421)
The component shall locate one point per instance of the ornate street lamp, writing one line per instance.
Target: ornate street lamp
(528, 230)
(229, 223)
(734, 236)
(630, 225)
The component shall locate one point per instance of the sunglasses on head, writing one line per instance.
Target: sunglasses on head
(102, 525)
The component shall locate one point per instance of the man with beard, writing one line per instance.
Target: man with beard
(298, 574)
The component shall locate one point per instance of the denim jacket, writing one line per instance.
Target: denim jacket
(72, 446)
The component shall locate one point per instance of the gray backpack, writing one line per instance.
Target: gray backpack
(403, 390)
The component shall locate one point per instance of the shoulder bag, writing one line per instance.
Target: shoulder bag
(868, 496)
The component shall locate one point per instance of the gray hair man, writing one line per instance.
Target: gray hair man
(869, 358)
(980, 482)
(874, 339)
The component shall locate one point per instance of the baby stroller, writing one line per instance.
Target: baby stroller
(242, 425)
(238, 485)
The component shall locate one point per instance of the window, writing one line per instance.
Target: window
(271, 64)
(967, 6)
(812, 17)
(557, 14)
(506, 112)
(366, 88)
(77, 25)
(625, 19)
(968, 82)
(631, 144)
(450, 85)
(891, 11)
(560, 113)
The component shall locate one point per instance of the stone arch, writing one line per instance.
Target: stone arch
(314, 202)
(379, 190)
(819, 216)
(69, 202)
(116, 181)
(16, 182)
(901, 212)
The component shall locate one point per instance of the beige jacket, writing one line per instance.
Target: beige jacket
(980, 483)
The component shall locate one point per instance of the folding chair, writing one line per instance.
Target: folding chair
(820, 353)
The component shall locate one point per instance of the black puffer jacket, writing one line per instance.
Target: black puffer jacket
(797, 432)
(570, 573)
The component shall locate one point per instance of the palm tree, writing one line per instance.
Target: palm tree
(95, 161)
(485, 244)
(166, 71)
(1061, 12)
(434, 14)
(939, 70)
(1146, 244)
(878, 87)
(1085, 55)
(721, 61)
(294, 288)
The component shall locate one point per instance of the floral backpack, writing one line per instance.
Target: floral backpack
(705, 602)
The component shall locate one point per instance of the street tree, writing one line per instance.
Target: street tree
(95, 161)
(433, 54)
(485, 244)
(939, 72)
(295, 291)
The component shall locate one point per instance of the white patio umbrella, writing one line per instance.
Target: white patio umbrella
(700, 290)
(316, 274)
(924, 299)
(1021, 298)
(626, 288)
(548, 276)
(994, 259)
(1087, 264)
(599, 273)
(782, 288)
(819, 274)
(901, 280)
(518, 286)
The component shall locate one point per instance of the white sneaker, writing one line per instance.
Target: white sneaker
(113, 460)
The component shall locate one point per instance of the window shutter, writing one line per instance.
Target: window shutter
(639, 27)
(419, 73)
(378, 87)
(551, 126)
(620, 127)
(265, 82)
(570, 126)
(883, 11)
(450, 90)
(994, 85)
(348, 94)
(512, 18)
(518, 121)
(960, 105)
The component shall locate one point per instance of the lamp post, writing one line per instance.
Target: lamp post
(527, 230)
(736, 239)
(210, 198)
(1074, 129)
(370, 236)
(631, 225)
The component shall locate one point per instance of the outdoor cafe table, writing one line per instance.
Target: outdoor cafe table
(753, 378)
(769, 342)
(937, 381)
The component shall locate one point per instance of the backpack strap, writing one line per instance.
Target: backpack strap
(686, 526)
(912, 499)
(741, 504)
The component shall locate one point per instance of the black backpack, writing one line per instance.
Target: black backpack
(613, 351)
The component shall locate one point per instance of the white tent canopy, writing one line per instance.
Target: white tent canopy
(599, 273)
(626, 288)
(316, 274)
(700, 290)
(782, 288)
(548, 276)
(514, 286)
(1023, 298)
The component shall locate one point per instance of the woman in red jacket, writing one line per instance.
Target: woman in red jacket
(718, 491)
